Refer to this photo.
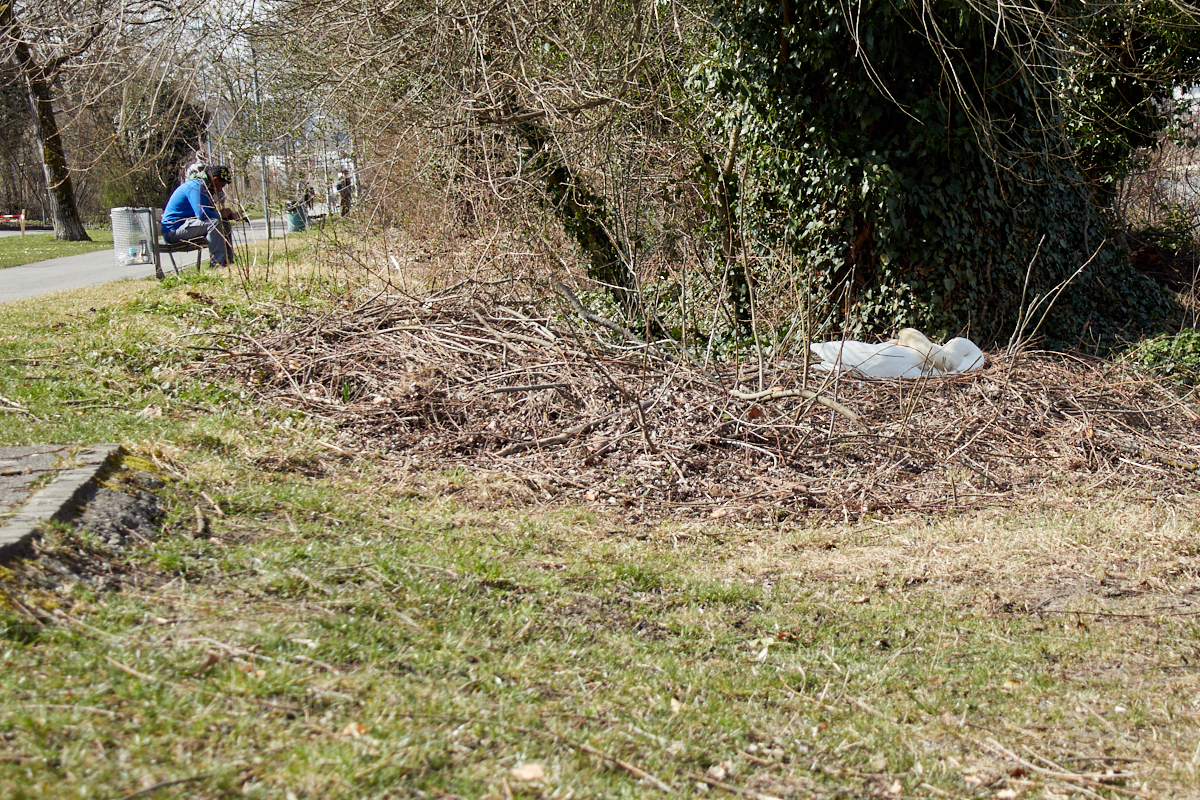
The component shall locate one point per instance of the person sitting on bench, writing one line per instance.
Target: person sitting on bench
(191, 215)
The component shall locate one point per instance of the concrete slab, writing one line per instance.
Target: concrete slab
(40, 483)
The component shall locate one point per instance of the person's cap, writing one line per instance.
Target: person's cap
(219, 171)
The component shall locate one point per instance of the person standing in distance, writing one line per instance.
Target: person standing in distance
(344, 189)
(191, 214)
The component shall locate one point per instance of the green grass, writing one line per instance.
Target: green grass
(31, 248)
(314, 625)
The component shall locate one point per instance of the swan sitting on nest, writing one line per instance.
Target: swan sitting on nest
(909, 355)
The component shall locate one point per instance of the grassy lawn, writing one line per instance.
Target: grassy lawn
(33, 247)
(318, 622)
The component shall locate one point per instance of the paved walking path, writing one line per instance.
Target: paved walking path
(93, 269)
(28, 232)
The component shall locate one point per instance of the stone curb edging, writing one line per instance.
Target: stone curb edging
(58, 501)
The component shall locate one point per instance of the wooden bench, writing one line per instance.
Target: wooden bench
(161, 246)
(186, 246)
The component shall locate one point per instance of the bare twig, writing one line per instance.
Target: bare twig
(732, 789)
(1009, 425)
(779, 394)
(164, 785)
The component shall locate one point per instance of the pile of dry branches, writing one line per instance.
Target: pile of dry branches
(534, 389)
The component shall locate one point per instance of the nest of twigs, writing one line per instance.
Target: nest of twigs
(534, 389)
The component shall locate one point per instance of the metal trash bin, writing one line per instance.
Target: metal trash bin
(135, 234)
(295, 217)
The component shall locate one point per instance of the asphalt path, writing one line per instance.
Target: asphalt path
(93, 269)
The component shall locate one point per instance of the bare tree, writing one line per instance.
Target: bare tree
(102, 76)
(580, 105)
(37, 76)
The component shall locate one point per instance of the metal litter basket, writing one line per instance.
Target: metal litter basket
(135, 236)
(295, 218)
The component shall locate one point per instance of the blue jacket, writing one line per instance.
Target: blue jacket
(190, 201)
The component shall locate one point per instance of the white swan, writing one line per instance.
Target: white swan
(910, 355)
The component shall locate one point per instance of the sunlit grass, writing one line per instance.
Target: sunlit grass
(41, 246)
(312, 623)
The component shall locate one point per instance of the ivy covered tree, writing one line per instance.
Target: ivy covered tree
(918, 160)
(1119, 86)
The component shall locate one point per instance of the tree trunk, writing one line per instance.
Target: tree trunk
(583, 216)
(67, 225)
(725, 188)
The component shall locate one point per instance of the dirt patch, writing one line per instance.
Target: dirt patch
(586, 612)
(120, 516)
(521, 387)
(122, 512)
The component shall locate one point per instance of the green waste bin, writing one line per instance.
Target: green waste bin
(295, 220)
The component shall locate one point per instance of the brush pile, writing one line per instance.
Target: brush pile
(540, 390)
